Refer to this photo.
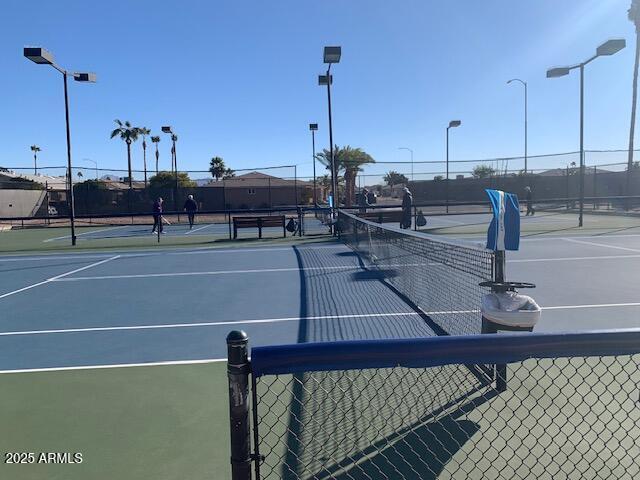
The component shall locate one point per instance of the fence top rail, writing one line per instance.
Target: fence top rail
(439, 351)
(289, 209)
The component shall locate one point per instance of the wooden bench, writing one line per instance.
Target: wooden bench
(259, 222)
(382, 216)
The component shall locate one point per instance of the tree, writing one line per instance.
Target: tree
(144, 131)
(438, 178)
(90, 184)
(156, 140)
(349, 161)
(217, 168)
(35, 149)
(483, 171)
(24, 183)
(167, 180)
(394, 178)
(634, 16)
(128, 134)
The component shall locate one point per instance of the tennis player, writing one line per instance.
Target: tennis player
(157, 216)
(191, 207)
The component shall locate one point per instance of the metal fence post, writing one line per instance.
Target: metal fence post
(567, 188)
(595, 187)
(238, 368)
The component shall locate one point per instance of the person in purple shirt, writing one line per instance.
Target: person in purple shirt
(157, 216)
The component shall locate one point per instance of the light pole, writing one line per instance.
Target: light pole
(313, 127)
(35, 149)
(452, 124)
(331, 55)
(608, 48)
(94, 163)
(174, 163)
(405, 148)
(44, 57)
(525, 119)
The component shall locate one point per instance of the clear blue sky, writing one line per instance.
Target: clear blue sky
(238, 79)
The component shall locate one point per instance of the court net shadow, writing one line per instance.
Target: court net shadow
(402, 423)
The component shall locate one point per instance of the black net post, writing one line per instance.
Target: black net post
(238, 369)
(415, 218)
(499, 276)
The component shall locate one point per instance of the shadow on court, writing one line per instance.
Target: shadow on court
(366, 424)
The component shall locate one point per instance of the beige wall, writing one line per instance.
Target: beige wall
(20, 203)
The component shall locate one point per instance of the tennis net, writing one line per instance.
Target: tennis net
(439, 277)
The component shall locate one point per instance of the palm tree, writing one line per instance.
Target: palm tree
(144, 131)
(634, 16)
(156, 140)
(129, 134)
(217, 168)
(349, 160)
(35, 149)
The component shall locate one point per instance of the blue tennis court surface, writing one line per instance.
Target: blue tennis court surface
(95, 309)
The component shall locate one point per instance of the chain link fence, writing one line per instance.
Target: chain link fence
(416, 409)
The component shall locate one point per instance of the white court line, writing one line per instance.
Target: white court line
(117, 365)
(232, 272)
(197, 229)
(305, 269)
(174, 251)
(602, 305)
(287, 319)
(84, 233)
(192, 274)
(58, 277)
(52, 257)
(215, 324)
(214, 360)
(595, 244)
(555, 237)
(566, 259)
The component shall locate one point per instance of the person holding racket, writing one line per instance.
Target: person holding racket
(157, 216)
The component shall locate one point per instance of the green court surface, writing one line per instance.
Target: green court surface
(152, 422)
(559, 418)
(31, 240)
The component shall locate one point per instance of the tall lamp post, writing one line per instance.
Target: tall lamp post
(331, 55)
(35, 149)
(452, 124)
(411, 151)
(43, 57)
(313, 127)
(174, 163)
(608, 48)
(524, 84)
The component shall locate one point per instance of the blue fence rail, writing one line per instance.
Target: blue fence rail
(421, 409)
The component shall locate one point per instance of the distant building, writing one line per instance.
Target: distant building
(50, 181)
(259, 190)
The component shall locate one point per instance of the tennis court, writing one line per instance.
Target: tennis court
(171, 309)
